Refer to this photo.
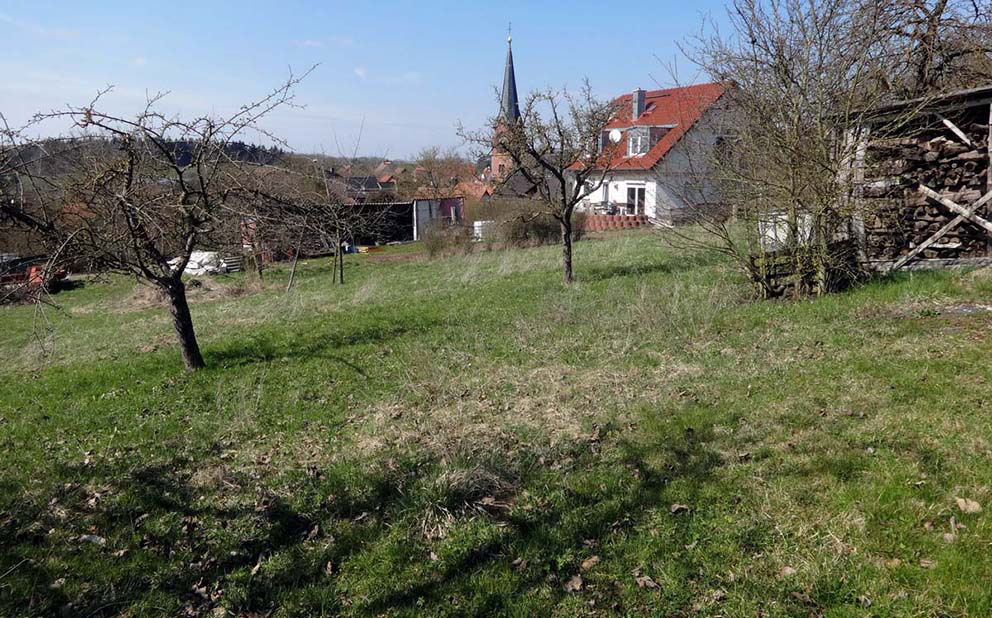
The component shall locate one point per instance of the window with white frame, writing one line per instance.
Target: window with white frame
(638, 141)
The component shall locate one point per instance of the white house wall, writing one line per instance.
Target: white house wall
(619, 182)
(683, 176)
(678, 182)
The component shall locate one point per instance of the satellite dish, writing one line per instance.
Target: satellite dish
(616, 136)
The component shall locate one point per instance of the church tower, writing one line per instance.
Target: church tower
(500, 163)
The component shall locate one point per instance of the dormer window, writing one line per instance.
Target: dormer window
(638, 141)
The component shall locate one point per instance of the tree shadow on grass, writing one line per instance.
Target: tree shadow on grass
(270, 347)
(151, 536)
(548, 533)
(187, 546)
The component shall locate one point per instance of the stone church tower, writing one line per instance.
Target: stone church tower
(500, 163)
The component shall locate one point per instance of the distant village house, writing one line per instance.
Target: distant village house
(659, 172)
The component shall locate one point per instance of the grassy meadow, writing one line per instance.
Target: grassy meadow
(468, 436)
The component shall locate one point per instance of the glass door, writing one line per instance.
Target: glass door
(635, 200)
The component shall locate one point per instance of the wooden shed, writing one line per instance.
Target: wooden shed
(925, 183)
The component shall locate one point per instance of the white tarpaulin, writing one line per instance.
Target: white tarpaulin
(202, 263)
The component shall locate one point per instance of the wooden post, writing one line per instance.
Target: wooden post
(858, 218)
(955, 130)
(958, 209)
(942, 231)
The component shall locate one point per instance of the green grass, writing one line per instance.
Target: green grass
(457, 436)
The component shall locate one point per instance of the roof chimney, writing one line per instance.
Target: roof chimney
(638, 103)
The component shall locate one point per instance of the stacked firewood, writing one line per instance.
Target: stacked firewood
(898, 218)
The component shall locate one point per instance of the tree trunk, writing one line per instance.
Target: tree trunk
(182, 321)
(292, 272)
(566, 249)
(256, 262)
(339, 263)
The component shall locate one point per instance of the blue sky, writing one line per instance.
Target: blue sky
(410, 70)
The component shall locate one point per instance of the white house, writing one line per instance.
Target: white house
(666, 137)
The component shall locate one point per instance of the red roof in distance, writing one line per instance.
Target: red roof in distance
(681, 107)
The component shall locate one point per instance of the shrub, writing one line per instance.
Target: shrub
(521, 223)
(528, 230)
(579, 226)
(445, 239)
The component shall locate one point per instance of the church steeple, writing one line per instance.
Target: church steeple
(509, 108)
(500, 162)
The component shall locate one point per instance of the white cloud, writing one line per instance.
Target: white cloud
(361, 72)
(310, 43)
(138, 61)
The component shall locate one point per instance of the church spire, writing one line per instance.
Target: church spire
(509, 108)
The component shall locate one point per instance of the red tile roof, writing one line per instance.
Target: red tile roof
(473, 189)
(682, 107)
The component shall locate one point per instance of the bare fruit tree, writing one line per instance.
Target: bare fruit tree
(938, 45)
(437, 171)
(317, 211)
(139, 195)
(556, 148)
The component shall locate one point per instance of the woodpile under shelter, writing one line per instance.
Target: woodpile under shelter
(925, 183)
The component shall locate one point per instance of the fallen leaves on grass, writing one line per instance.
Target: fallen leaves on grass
(676, 508)
(574, 584)
(589, 563)
(787, 571)
(968, 506)
(643, 581)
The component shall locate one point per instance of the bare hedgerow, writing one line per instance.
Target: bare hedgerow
(442, 239)
(521, 223)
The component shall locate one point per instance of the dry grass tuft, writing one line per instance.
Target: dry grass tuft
(460, 493)
(368, 291)
(208, 477)
(197, 290)
(508, 413)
